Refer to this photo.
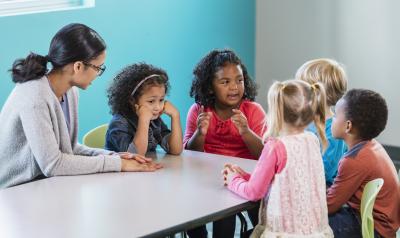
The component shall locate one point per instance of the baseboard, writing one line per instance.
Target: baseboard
(394, 153)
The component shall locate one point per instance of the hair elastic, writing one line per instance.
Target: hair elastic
(314, 87)
(141, 82)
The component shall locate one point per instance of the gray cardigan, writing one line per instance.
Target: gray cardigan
(35, 141)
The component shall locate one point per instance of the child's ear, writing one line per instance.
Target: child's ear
(132, 103)
(210, 91)
(349, 126)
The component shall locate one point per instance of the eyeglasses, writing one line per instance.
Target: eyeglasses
(100, 69)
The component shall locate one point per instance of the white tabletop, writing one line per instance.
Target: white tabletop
(187, 192)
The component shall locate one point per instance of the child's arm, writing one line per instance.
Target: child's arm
(175, 137)
(232, 170)
(271, 162)
(141, 138)
(196, 128)
(351, 175)
(119, 135)
(253, 142)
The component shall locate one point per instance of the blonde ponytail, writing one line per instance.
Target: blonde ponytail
(319, 107)
(275, 109)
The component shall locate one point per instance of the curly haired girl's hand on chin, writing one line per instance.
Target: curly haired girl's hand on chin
(170, 109)
(143, 112)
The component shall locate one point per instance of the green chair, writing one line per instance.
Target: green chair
(95, 138)
(370, 192)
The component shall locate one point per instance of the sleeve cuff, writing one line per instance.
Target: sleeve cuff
(112, 164)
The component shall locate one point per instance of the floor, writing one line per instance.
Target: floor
(237, 230)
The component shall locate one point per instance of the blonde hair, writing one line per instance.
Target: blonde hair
(297, 103)
(327, 71)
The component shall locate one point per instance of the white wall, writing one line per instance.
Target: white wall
(362, 34)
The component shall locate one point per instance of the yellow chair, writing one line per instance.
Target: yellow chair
(95, 138)
(370, 192)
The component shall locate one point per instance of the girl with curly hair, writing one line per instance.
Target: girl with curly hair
(137, 100)
(224, 118)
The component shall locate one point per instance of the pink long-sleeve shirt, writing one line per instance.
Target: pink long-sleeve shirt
(255, 186)
(222, 136)
(289, 180)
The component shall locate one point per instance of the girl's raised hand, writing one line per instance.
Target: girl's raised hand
(203, 121)
(240, 121)
(170, 109)
(143, 112)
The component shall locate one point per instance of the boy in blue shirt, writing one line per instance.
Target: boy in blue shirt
(332, 75)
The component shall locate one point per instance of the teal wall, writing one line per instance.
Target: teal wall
(171, 34)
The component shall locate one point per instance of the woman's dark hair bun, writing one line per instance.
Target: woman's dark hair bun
(74, 42)
(34, 66)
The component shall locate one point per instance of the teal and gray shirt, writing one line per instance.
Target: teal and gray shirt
(333, 153)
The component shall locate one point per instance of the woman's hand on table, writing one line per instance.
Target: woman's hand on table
(137, 163)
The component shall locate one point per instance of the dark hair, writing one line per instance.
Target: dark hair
(368, 112)
(73, 42)
(119, 93)
(204, 73)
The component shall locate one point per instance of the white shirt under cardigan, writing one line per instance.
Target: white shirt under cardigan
(35, 140)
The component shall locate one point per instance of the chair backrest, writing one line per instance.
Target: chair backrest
(370, 192)
(95, 138)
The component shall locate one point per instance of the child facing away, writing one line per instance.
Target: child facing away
(289, 175)
(137, 100)
(333, 77)
(361, 115)
(224, 118)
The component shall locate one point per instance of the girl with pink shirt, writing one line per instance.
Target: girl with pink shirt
(289, 175)
(224, 118)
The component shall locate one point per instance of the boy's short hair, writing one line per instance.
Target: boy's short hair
(368, 112)
(330, 73)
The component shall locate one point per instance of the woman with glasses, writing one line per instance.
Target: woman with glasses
(39, 124)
